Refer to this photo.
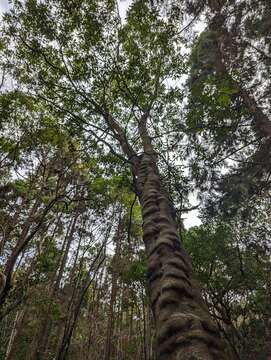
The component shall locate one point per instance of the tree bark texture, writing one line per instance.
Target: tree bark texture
(183, 325)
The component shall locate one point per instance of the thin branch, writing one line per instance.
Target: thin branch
(79, 120)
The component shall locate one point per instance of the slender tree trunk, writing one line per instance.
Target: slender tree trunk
(10, 354)
(110, 322)
(47, 323)
(91, 323)
(75, 307)
(23, 241)
(268, 319)
(146, 323)
(184, 327)
(145, 336)
(114, 287)
(150, 331)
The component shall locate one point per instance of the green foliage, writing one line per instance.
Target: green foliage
(233, 278)
(78, 73)
(135, 271)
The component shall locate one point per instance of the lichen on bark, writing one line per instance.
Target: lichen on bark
(184, 327)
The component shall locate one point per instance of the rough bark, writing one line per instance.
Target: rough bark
(183, 325)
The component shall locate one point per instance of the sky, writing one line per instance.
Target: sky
(123, 7)
(4, 5)
(191, 218)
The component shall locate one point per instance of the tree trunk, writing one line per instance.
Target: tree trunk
(183, 325)
(47, 323)
(261, 122)
(22, 242)
(114, 288)
(145, 334)
(10, 354)
(74, 308)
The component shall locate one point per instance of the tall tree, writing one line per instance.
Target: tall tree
(109, 81)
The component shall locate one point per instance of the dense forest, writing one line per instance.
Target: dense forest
(122, 121)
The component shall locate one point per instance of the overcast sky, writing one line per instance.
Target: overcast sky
(3, 5)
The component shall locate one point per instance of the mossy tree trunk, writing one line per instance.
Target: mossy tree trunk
(184, 329)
